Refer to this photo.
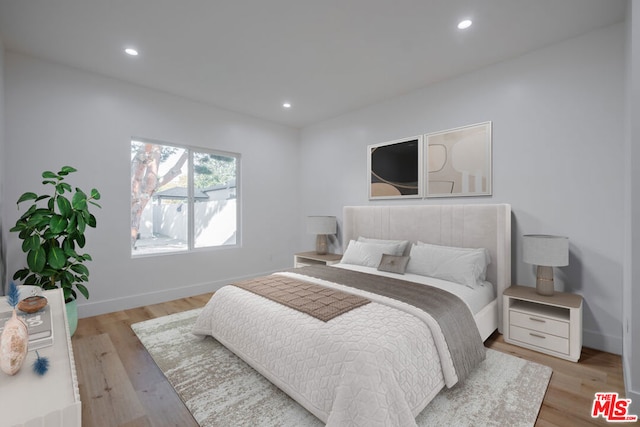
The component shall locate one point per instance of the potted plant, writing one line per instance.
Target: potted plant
(51, 230)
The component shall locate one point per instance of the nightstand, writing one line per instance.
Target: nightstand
(304, 259)
(548, 324)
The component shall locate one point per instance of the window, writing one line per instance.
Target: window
(182, 198)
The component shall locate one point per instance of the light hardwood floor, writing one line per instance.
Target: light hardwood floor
(120, 385)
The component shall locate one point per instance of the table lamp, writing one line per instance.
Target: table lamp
(321, 225)
(546, 252)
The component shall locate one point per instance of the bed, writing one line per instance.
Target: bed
(382, 360)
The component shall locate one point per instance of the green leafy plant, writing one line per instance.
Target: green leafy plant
(50, 230)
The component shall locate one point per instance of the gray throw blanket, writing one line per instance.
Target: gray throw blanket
(451, 313)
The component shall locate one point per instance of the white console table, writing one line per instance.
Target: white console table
(52, 400)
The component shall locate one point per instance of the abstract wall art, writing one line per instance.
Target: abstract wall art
(396, 169)
(458, 162)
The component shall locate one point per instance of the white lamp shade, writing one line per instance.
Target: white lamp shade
(541, 249)
(321, 225)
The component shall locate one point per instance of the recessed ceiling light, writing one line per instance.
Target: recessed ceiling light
(131, 51)
(463, 25)
(286, 105)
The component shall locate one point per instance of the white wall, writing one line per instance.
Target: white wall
(558, 138)
(631, 284)
(3, 279)
(56, 115)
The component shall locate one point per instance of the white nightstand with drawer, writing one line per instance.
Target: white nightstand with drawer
(548, 324)
(304, 259)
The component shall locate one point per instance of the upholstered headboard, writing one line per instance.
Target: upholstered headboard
(471, 226)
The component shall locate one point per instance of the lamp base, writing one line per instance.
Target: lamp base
(322, 244)
(544, 280)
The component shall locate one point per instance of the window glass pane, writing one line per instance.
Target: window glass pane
(215, 208)
(159, 198)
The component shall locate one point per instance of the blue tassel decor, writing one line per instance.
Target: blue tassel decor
(13, 297)
(41, 364)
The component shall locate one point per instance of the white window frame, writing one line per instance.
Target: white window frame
(191, 199)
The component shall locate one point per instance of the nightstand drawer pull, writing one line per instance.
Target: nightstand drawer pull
(537, 335)
(535, 319)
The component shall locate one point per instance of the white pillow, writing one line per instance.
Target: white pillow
(405, 244)
(465, 266)
(369, 254)
(486, 254)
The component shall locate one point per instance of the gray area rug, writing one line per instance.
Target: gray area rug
(221, 390)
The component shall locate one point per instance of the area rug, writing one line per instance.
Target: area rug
(222, 390)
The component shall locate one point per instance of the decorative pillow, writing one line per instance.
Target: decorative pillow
(465, 266)
(404, 244)
(368, 254)
(393, 263)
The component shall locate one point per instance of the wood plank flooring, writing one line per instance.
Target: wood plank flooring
(120, 385)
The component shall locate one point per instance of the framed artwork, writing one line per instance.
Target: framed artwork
(458, 162)
(396, 169)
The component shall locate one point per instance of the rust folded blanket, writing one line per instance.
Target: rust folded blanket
(315, 300)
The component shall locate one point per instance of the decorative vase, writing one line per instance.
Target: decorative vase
(72, 316)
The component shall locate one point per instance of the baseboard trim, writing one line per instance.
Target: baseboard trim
(96, 308)
(602, 342)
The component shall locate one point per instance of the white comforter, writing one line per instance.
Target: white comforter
(379, 364)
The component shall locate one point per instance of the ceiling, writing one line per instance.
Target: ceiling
(325, 57)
